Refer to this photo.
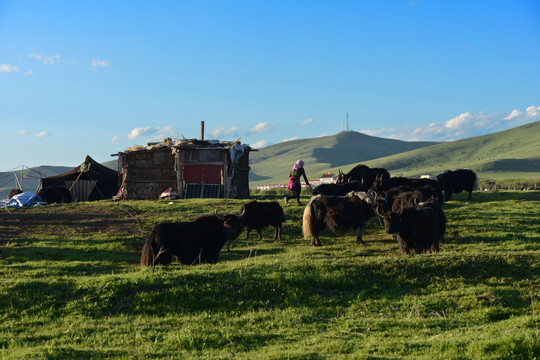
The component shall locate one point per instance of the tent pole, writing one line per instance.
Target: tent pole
(17, 182)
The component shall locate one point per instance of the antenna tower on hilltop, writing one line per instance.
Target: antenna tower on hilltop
(348, 121)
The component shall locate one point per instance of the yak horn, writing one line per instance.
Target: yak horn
(377, 211)
(219, 216)
(243, 211)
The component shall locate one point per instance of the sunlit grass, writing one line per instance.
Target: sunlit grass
(71, 287)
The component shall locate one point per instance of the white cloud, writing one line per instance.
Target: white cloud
(100, 63)
(513, 114)
(154, 134)
(459, 120)
(136, 132)
(259, 144)
(260, 127)
(29, 72)
(290, 139)
(223, 131)
(533, 111)
(306, 122)
(42, 134)
(22, 132)
(462, 126)
(51, 60)
(46, 59)
(8, 68)
(35, 56)
(114, 139)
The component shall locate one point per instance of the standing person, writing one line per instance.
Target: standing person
(294, 186)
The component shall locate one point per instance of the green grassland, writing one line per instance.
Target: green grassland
(513, 153)
(71, 288)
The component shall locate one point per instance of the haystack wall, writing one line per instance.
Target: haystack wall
(149, 173)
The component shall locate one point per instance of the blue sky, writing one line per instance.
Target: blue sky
(96, 77)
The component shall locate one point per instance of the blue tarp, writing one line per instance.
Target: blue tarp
(25, 199)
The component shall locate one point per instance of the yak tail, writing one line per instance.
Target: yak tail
(153, 251)
(147, 256)
(476, 182)
(307, 228)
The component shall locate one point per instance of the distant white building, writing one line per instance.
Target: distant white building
(328, 178)
(270, 186)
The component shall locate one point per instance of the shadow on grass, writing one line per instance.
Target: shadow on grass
(103, 260)
(322, 287)
(242, 254)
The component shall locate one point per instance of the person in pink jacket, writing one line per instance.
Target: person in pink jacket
(294, 185)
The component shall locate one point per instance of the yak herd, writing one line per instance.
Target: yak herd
(411, 210)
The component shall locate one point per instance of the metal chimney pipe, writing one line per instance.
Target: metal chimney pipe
(202, 130)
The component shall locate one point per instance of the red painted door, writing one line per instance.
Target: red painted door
(208, 174)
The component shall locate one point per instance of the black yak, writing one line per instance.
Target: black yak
(399, 197)
(55, 194)
(362, 173)
(340, 214)
(258, 215)
(419, 228)
(198, 241)
(453, 182)
(338, 189)
(384, 183)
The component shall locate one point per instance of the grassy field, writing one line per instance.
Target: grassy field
(71, 288)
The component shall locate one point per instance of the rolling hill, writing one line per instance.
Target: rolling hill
(272, 164)
(509, 153)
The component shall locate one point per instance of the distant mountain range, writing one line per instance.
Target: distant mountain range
(510, 153)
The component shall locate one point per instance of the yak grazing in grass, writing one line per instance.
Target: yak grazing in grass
(453, 182)
(338, 189)
(399, 197)
(417, 228)
(384, 183)
(362, 173)
(258, 215)
(198, 241)
(340, 214)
